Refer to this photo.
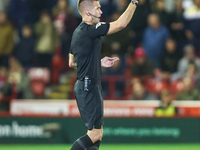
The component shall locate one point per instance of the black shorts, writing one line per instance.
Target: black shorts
(90, 104)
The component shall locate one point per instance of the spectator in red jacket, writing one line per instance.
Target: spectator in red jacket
(141, 66)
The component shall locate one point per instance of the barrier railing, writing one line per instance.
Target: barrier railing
(112, 80)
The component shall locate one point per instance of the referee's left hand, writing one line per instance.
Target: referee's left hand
(108, 61)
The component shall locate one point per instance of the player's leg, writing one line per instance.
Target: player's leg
(95, 146)
(96, 136)
(91, 109)
(82, 143)
(91, 140)
(99, 122)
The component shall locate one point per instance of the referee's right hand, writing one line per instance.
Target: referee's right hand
(108, 61)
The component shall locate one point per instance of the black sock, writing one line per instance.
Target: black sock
(95, 146)
(82, 143)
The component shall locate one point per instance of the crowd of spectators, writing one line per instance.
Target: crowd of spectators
(161, 47)
(158, 50)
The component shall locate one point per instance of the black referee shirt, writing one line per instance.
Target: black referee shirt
(86, 47)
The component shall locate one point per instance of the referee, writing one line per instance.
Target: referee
(85, 55)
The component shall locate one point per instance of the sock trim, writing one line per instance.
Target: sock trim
(81, 144)
(95, 147)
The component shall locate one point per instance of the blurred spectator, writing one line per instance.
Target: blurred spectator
(61, 12)
(192, 24)
(166, 108)
(189, 91)
(139, 21)
(192, 70)
(139, 92)
(169, 5)
(184, 62)
(154, 39)
(170, 58)
(198, 85)
(47, 40)
(18, 77)
(177, 18)
(4, 106)
(4, 5)
(141, 66)
(24, 50)
(118, 43)
(65, 23)
(121, 5)
(18, 82)
(19, 13)
(187, 4)
(6, 39)
(3, 76)
(108, 7)
(177, 25)
(116, 70)
(163, 14)
(73, 5)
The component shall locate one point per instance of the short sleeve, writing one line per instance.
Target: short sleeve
(100, 29)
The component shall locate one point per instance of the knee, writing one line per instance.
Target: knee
(95, 135)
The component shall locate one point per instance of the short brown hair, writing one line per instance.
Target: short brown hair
(80, 2)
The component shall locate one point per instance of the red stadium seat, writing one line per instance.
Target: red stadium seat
(176, 86)
(39, 78)
(58, 62)
(42, 74)
(38, 87)
(156, 86)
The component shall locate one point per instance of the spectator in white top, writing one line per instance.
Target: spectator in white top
(184, 62)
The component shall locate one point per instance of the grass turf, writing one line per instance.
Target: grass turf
(107, 147)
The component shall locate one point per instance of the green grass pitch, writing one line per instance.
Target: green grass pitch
(107, 147)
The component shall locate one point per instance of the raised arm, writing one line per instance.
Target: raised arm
(72, 61)
(124, 19)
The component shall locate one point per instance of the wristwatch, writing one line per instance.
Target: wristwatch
(134, 2)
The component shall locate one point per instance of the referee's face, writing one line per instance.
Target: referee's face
(96, 12)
